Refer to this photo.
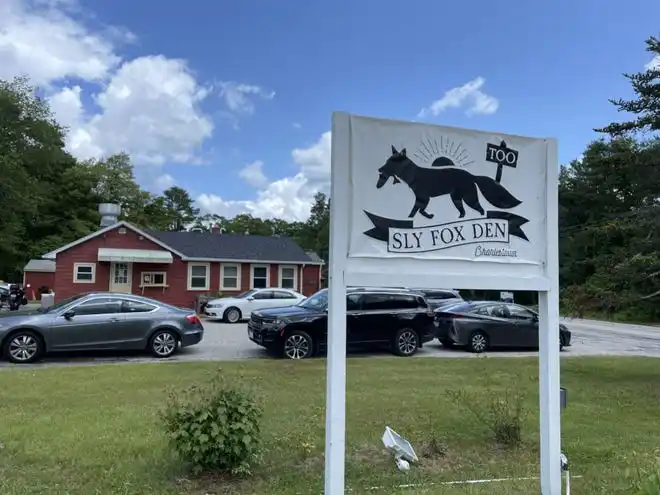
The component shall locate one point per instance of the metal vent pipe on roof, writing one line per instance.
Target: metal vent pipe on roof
(109, 214)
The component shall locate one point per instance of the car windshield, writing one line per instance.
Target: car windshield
(317, 301)
(245, 294)
(62, 303)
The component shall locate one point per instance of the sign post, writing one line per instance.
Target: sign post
(460, 225)
(335, 408)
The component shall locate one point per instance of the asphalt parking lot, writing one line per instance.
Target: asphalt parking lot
(224, 342)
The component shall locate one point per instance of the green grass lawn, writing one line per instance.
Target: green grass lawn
(95, 430)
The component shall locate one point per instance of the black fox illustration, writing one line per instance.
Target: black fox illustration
(429, 183)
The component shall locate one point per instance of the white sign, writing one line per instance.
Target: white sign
(430, 206)
(442, 193)
(506, 296)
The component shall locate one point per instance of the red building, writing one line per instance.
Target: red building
(39, 274)
(176, 267)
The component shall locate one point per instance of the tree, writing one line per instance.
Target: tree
(609, 229)
(318, 226)
(180, 208)
(38, 178)
(610, 211)
(646, 104)
(115, 183)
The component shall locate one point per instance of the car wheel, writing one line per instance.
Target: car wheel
(164, 343)
(24, 347)
(232, 315)
(478, 342)
(406, 342)
(298, 345)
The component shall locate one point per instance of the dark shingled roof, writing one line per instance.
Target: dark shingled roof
(46, 266)
(234, 247)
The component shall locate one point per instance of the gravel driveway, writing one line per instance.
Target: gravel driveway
(229, 342)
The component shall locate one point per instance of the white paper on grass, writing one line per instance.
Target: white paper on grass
(399, 446)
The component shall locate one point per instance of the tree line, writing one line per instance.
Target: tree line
(609, 219)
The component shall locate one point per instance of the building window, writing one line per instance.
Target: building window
(260, 278)
(153, 279)
(288, 277)
(230, 277)
(198, 276)
(84, 273)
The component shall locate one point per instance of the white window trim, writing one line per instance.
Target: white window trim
(222, 276)
(252, 267)
(75, 273)
(152, 273)
(295, 277)
(208, 276)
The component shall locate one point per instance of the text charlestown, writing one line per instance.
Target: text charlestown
(448, 235)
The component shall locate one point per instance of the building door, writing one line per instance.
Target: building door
(121, 277)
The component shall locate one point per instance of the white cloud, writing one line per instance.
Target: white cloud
(288, 198)
(163, 182)
(253, 174)
(468, 96)
(654, 63)
(42, 40)
(237, 96)
(296, 125)
(149, 106)
(314, 162)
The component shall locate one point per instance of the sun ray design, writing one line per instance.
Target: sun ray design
(431, 148)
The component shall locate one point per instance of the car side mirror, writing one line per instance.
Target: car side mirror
(69, 314)
(250, 298)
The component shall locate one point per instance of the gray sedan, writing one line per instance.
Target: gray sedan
(480, 325)
(99, 321)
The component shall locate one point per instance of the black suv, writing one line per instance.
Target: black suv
(401, 319)
(440, 297)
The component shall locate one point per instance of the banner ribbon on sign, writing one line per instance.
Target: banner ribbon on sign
(382, 225)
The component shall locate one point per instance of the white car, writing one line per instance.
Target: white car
(237, 308)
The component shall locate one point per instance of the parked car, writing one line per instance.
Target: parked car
(441, 297)
(482, 325)
(13, 296)
(99, 321)
(4, 294)
(236, 308)
(400, 319)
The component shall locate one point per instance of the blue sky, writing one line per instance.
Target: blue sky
(548, 68)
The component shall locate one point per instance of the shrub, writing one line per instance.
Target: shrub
(650, 485)
(215, 427)
(501, 413)
(647, 480)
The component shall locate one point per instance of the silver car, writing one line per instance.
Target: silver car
(99, 321)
